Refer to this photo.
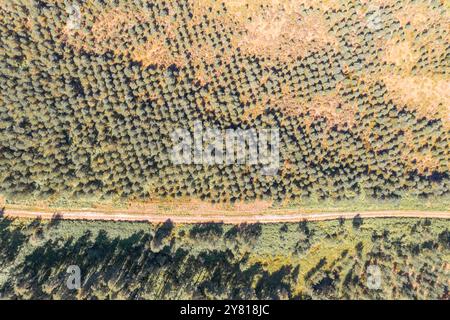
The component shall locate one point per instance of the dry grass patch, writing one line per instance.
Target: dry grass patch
(111, 32)
(421, 16)
(286, 35)
(248, 8)
(203, 55)
(379, 3)
(331, 107)
(110, 28)
(155, 52)
(400, 53)
(214, 10)
(253, 112)
(428, 29)
(272, 28)
(428, 96)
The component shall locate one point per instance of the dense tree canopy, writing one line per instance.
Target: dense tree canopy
(87, 106)
(307, 260)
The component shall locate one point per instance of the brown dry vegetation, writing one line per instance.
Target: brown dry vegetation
(400, 53)
(248, 8)
(429, 29)
(421, 16)
(110, 27)
(331, 107)
(425, 163)
(204, 54)
(428, 96)
(275, 29)
(155, 52)
(253, 112)
(110, 32)
(426, 93)
(286, 34)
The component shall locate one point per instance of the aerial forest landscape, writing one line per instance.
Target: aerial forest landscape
(224, 149)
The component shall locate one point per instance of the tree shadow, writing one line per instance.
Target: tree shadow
(55, 220)
(357, 221)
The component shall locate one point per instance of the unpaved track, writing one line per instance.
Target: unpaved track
(214, 217)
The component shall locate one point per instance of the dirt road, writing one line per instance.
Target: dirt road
(289, 216)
